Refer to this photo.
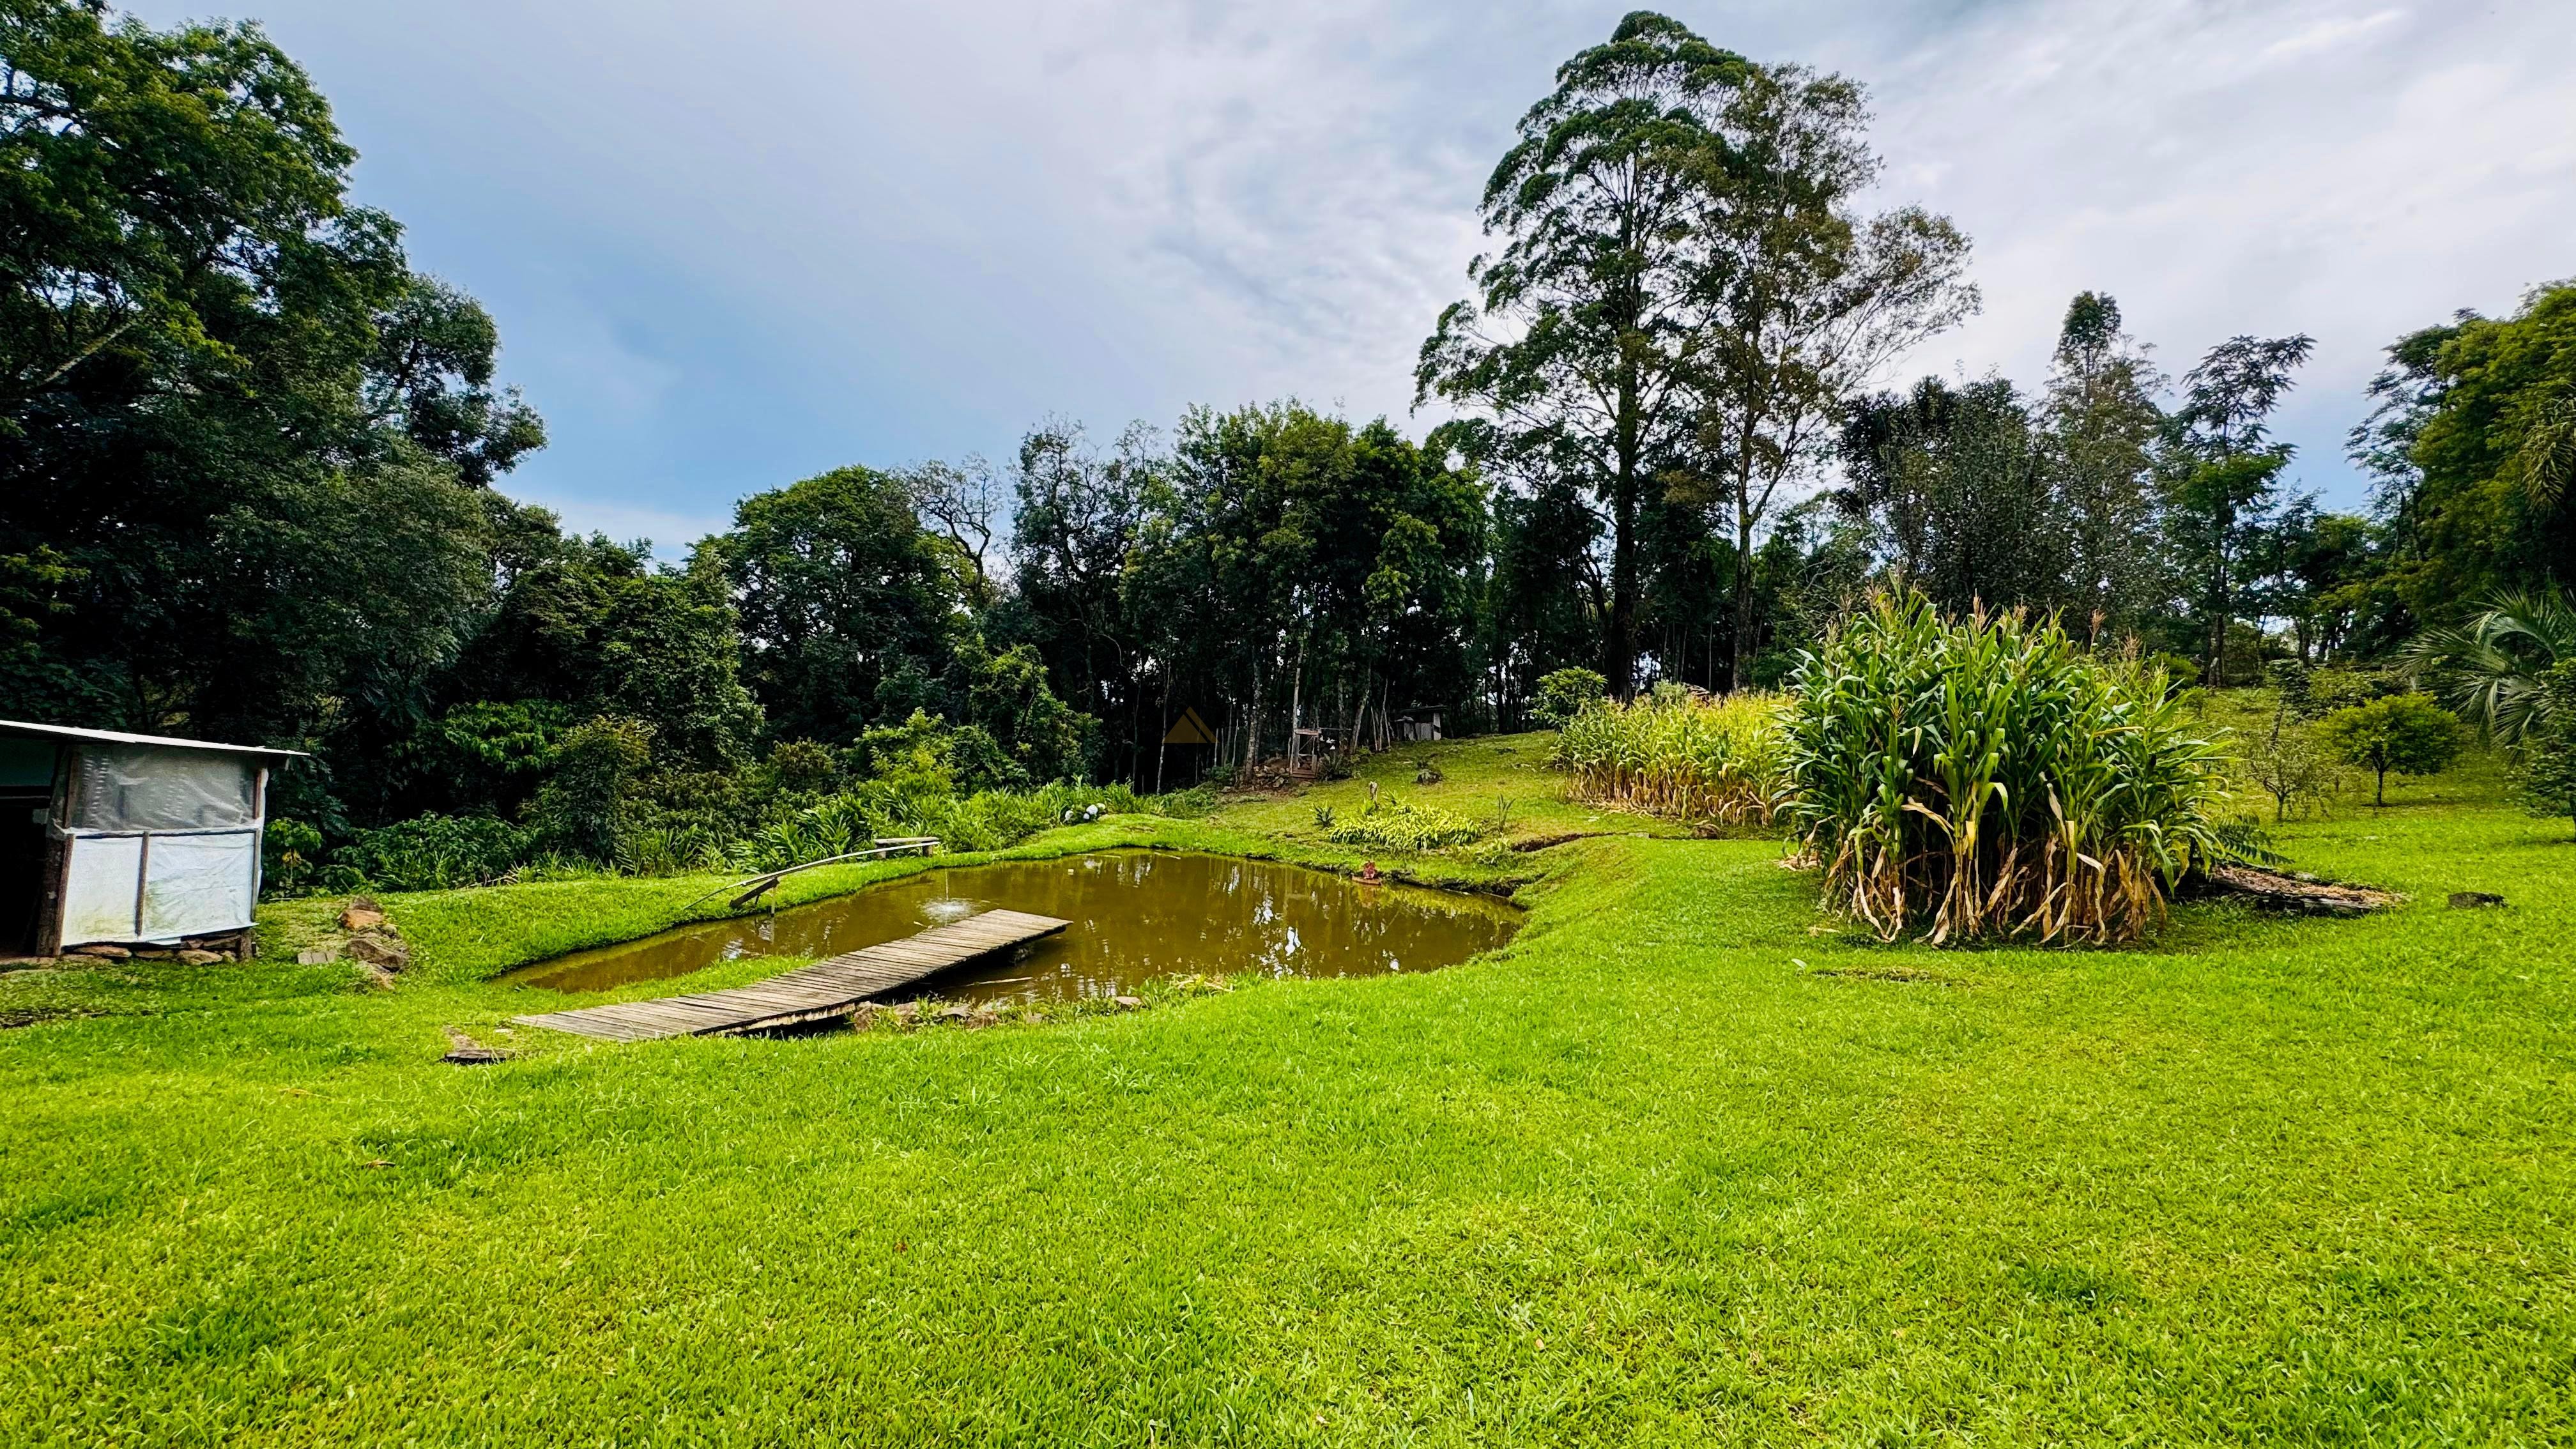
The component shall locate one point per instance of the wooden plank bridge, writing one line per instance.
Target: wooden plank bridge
(812, 993)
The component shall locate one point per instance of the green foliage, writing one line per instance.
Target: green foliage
(582, 808)
(1566, 693)
(2546, 772)
(1396, 825)
(2473, 444)
(1684, 755)
(803, 766)
(2289, 763)
(842, 602)
(430, 852)
(236, 469)
(1965, 493)
(2405, 733)
(1989, 778)
(290, 857)
(926, 752)
(1005, 698)
(922, 804)
(2491, 667)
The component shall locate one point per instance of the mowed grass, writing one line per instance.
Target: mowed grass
(1672, 1168)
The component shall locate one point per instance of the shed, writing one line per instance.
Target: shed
(113, 838)
(1418, 724)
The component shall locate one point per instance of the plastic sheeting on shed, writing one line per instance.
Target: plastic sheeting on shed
(160, 887)
(193, 884)
(136, 787)
(99, 902)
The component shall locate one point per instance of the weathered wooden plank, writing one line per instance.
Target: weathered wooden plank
(809, 993)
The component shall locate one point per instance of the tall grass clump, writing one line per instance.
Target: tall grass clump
(1393, 824)
(1988, 778)
(1674, 752)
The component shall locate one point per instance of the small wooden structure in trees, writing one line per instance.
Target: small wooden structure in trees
(119, 839)
(1191, 733)
(1419, 725)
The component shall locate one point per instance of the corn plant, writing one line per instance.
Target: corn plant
(1676, 752)
(1987, 777)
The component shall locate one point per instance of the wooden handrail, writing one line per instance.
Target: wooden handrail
(763, 884)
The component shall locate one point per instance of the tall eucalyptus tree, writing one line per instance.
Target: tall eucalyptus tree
(1801, 301)
(1578, 353)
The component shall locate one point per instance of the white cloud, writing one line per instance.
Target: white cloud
(728, 250)
(2329, 33)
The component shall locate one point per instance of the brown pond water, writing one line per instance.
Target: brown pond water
(1136, 914)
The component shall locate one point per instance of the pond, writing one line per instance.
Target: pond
(1136, 914)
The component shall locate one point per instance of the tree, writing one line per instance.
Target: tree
(230, 486)
(962, 506)
(2227, 475)
(1959, 489)
(845, 613)
(2494, 441)
(1579, 351)
(2098, 425)
(1075, 518)
(432, 377)
(1805, 300)
(2407, 733)
(2548, 769)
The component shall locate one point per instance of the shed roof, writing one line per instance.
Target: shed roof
(119, 737)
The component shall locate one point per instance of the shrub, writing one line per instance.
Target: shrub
(578, 811)
(1990, 778)
(2406, 733)
(1391, 824)
(434, 852)
(291, 857)
(2547, 772)
(1566, 693)
(2289, 764)
(1681, 754)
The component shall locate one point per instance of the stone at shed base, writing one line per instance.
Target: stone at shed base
(317, 956)
(362, 915)
(2474, 900)
(104, 953)
(201, 958)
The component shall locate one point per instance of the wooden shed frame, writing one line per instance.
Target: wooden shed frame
(67, 806)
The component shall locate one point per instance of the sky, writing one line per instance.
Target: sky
(732, 246)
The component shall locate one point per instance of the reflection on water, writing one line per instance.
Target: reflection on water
(1135, 914)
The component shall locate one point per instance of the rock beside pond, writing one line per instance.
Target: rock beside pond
(1128, 1003)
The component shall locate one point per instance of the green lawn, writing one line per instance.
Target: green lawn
(1677, 1167)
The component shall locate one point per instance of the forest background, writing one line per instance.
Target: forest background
(251, 468)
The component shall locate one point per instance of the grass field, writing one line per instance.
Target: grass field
(1679, 1166)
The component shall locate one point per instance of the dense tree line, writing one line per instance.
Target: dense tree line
(250, 471)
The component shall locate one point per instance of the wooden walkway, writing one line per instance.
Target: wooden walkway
(812, 993)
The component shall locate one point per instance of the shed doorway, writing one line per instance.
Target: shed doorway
(26, 794)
